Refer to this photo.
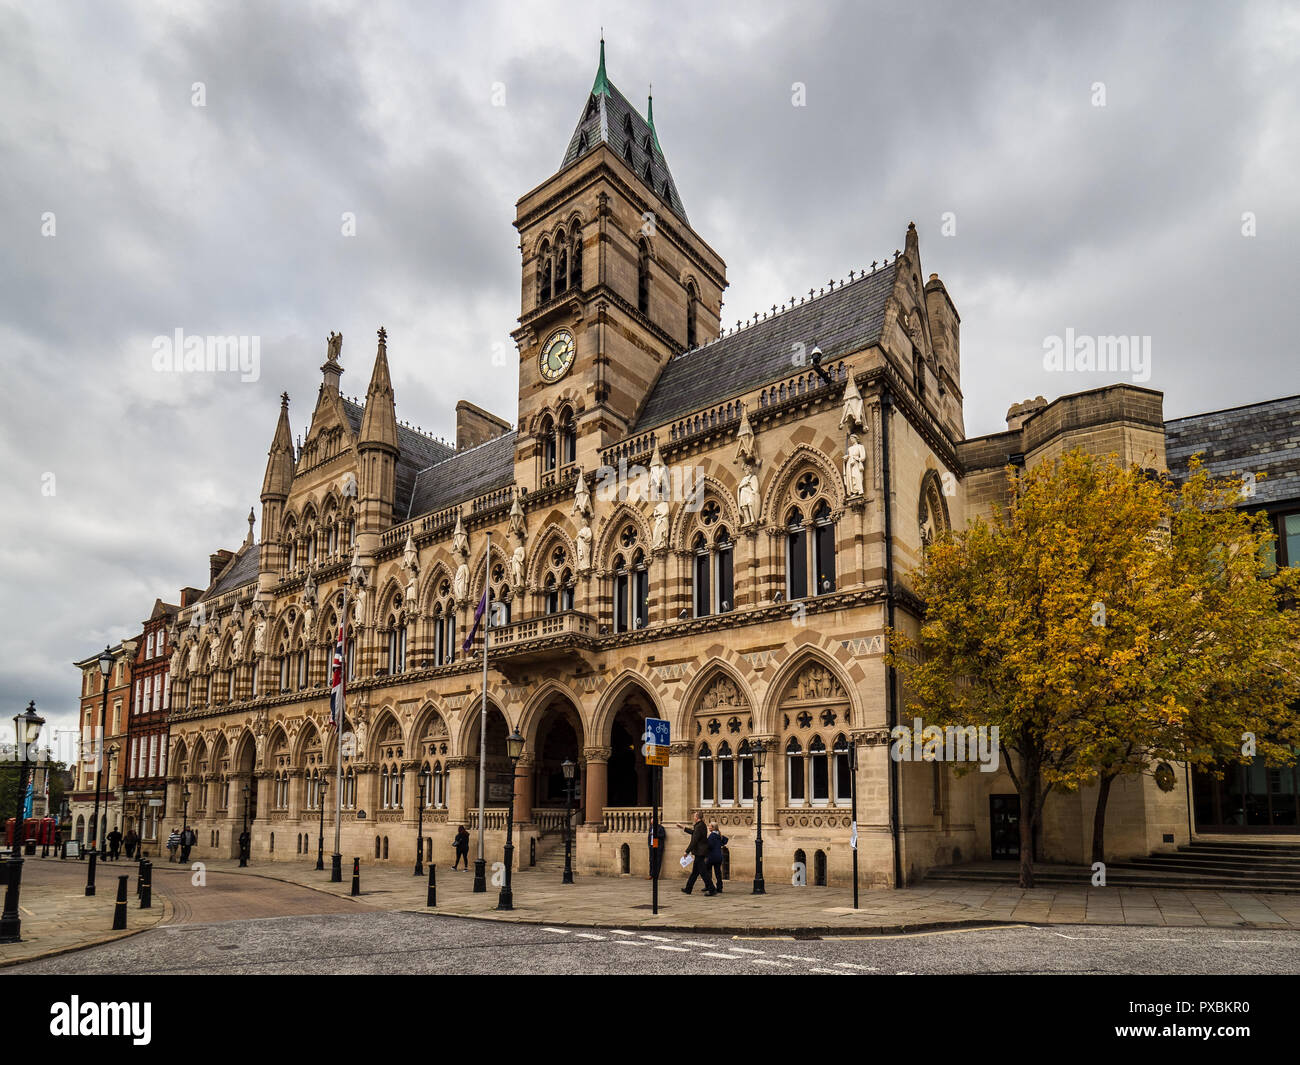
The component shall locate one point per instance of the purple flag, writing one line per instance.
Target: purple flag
(478, 618)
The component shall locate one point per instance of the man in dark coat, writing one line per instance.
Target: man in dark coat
(656, 837)
(716, 842)
(114, 844)
(698, 848)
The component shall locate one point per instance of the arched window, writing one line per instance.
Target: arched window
(561, 263)
(726, 775)
(501, 596)
(396, 645)
(702, 591)
(575, 255)
(824, 549)
(643, 278)
(794, 773)
(568, 438)
(544, 273)
(745, 761)
(349, 788)
(810, 546)
(444, 626)
(547, 434)
(706, 775)
(843, 771)
(796, 555)
(692, 311)
(819, 771)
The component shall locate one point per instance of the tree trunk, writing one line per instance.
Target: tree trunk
(1099, 818)
(1028, 818)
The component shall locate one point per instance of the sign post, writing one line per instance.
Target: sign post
(658, 735)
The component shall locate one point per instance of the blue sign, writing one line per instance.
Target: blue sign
(657, 731)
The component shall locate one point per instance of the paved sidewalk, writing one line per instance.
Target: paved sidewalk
(613, 902)
(58, 917)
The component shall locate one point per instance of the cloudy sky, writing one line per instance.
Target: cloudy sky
(1096, 167)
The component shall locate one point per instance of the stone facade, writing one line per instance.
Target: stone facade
(686, 523)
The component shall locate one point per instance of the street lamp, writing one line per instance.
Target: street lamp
(185, 811)
(419, 822)
(758, 751)
(103, 843)
(27, 727)
(322, 784)
(515, 751)
(105, 668)
(569, 770)
(243, 836)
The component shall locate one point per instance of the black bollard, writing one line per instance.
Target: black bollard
(119, 909)
(145, 885)
(433, 885)
(356, 876)
(90, 875)
(63, 849)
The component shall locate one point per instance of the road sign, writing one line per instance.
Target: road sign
(657, 738)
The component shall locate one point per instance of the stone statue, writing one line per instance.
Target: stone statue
(659, 527)
(359, 606)
(459, 539)
(517, 567)
(745, 440)
(582, 497)
(236, 643)
(412, 592)
(659, 488)
(214, 646)
(410, 559)
(584, 548)
(335, 347)
(177, 657)
(259, 635)
(461, 582)
(855, 464)
(851, 415)
(747, 497)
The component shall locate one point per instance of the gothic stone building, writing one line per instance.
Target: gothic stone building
(687, 522)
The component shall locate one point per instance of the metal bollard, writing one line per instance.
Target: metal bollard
(145, 884)
(356, 876)
(63, 850)
(119, 909)
(532, 851)
(433, 885)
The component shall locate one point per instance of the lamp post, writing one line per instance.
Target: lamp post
(758, 751)
(27, 727)
(322, 788)
(185, 810)
(105, 668)
(103, 836)
(243, 836)
(569, 770)
(419, 822)
(515, 751)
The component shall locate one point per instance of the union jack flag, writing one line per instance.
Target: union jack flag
(336, 681)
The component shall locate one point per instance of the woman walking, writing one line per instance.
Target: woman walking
(461, 843)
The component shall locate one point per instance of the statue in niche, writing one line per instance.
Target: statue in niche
(460, 584)
(584, 548)
(659, 528)
(747, 497)
(855, 465)
(517, 567)
(582, 497)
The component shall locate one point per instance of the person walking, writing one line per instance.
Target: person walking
(716, 842)
(657, 837)
(461, 843)
(173, 841)
(188, 838)
(698, 848)
(131, 841)
(114, 844)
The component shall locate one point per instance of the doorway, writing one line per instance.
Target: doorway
(1004, 827)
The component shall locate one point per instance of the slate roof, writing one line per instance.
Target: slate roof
(606, 116)
(463, 476)
(840, 322)
(1257, 438)
(243, 570)
(416, 452)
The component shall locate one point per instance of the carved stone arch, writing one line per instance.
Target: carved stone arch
(430, 718)
(535, 423)
(530, 717)
(435, 573)
(464, 733)
(571, 397)
(602, 718)
(607, 544)
(685, 522)
(499, 556)
(392, 588)
(306, 733)
(180, 753)
(704, 681)
(789, 661)
(553, 535)
(777, 492)
(932, 516)
(385, 730)
(278, 738)
(240, 748)
(282, 631)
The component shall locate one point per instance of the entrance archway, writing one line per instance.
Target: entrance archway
(499, 786)
(629, 776)
(558, 739)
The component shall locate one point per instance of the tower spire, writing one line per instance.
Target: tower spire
(650, 119)
(601, 85)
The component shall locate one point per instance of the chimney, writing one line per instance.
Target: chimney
(218, 561)
(476, 426)
(189, 596)
(1022, 412)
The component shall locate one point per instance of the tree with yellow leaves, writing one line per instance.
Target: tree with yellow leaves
(1104, 619)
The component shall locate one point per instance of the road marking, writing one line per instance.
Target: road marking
(828, 972)
(905, 972)
(729, 957)
(696, 943)
(561, 931)
(937, 932)
(657, 939)
(851, 965)
(680, 950)
(796, 957)
(630, 943)
(588, 935)
(620, 932)
(765, 961)
(746, 950)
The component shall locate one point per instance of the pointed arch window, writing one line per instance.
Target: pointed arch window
(643, 278)
(702, 591)
(545, 268)
(726, 775)
(568, 438)
(547, 433)
(794, 772)
(843, 771)
(746, 764)
(796, 555)
(561, 263)
(824, 549)
(692, 308)
(575, 255)
(819, 771)
(396, 646)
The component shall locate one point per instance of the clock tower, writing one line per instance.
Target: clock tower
(615, 284)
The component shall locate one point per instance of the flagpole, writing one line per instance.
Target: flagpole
(336, 859)
(480, 864)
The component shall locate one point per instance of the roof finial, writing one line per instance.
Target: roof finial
(650, 119)
(601, 84)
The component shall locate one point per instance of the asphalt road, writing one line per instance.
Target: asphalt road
(413, 943)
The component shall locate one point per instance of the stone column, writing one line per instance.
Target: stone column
(597, 783)
(297, 793)
(460, 783)
(524, 789)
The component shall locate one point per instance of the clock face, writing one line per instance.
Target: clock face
(556, 356)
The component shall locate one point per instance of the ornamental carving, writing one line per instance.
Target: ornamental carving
(721, 693)
(815, 681)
